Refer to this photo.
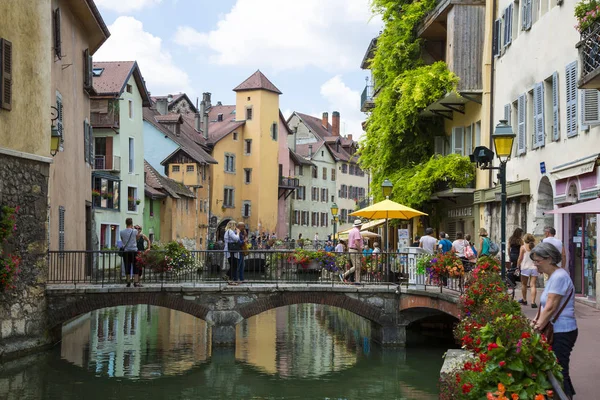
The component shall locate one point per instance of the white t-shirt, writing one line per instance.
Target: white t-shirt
(428, 243)
(556, 243)
(459, 245)
(339, 248)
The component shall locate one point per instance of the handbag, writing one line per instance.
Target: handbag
(548, 330)
(234, 246)
(469, 254)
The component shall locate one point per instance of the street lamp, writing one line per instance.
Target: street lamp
(503, 138)
(334, 213)
(386, 188)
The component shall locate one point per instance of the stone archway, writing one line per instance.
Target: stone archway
(221, 229)
(545, 202)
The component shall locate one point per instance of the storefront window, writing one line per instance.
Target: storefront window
(590, 263)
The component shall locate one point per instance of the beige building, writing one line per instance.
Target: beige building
(78, 31)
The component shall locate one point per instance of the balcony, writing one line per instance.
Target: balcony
(104, 163)
(366, 99)
(104, 113)
(288, 183)
(589, 54)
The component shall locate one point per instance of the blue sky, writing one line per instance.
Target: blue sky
(310, 49)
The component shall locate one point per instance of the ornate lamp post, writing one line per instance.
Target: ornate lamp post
(334, 213)
(386, 188)
(503, 138)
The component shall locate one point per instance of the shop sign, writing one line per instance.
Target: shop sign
(460, 212)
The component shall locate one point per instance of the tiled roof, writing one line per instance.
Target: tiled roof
(298, 159)
(193, 149)
(257, 81)
(169, 118)
(115, 76)
(316, 125)
(153, 193)
(175, 98)
(167, 185)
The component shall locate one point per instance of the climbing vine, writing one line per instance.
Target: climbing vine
(9, 263)
(398, 139)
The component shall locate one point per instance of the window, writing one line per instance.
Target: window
(468, 140)
(352, 167)
(229, 162)
(344, 168)
(300, 170)
(324, 195)
(507, 19)
(248, 147)
(247, 175)
(235, 136)
(344, 192)
(109, 236)
(175, 168)
(105, 193)
(220, 117)
(527, 14)
(314, 219)
(274, 131)
(97, 71)
(132, 199)
(521, 124)
(477, 133)
(324, 173)
(314, 194)
(315, 173)
(130, 109)
(131, 156)
(5, 74)
(457, 140)
(301, 193)
(249, 113)
(151, 208)
(333, 174)
(129, 88)
(305, 218)
(228, 198)
(496, 40)
(61, 228)
(324, 219)
(296, 217)
(439, 144)
(246, 208)
(189, 168)
(571, 85)
(344, 215)
(57, 38)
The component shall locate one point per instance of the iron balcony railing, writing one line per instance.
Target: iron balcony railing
(366, 99)
(104, 163)
(286, 182)
(589, 52)
(260, 266)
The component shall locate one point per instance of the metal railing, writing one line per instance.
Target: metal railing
(102, 163)
(366, 98)
(589, 49)
(260, 266)
(289, 182)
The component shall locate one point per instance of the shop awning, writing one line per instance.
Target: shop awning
(367, 226)
(586, 207)
(575, 168)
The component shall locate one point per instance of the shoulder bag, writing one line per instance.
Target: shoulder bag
(468, 250)
(233, 246)
(548, 330)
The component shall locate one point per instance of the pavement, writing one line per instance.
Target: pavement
(585, 359)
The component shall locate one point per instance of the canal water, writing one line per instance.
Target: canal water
(297, 352)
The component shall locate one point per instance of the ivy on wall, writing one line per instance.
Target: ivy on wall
(399, 142)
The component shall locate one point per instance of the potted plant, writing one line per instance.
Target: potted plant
(587, 13)
(95, 193)
(138, 201)
(108, 195)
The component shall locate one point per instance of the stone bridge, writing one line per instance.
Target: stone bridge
(389, 308)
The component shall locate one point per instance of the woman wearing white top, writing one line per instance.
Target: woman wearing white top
(459, 245)
(529, 272)
(231, 236)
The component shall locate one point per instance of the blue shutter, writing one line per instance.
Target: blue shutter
(538, 116)
(555, 108)
(590, 108)
(571, 84)
(522, 124)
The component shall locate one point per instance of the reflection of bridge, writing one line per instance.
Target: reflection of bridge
(390, 308)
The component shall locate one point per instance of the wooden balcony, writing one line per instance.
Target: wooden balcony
(104, 113)
(589, 54)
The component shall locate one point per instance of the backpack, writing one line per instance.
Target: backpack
(493, 248)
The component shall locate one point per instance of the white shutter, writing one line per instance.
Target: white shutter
(507, 112)
(504, 30)
(438, 143)
(522, 124)
(555, 108)
(468, 140)
(508, 25)
(538, 116)
(590, 106)
(571, 84)
(457, 140)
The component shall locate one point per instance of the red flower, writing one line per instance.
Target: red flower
(492, 346)
(502, 363)
(466, 388)
(525, 335)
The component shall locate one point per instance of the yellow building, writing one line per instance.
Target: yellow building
(78, 32)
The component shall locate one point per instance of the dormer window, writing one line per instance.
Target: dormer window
(220, 118)
(97, 71)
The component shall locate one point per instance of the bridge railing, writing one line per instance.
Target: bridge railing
(260, 266)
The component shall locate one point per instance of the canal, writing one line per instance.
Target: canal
(303, 351)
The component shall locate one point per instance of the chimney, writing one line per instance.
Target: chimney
(206, 99)
(205, 124)
(325, 120)
(295, 132)
(219, 103)
(162, 106)
(349, 137)
(310, 150)
(200, 120)
(170, 98)
(335, 123)
(197, 121)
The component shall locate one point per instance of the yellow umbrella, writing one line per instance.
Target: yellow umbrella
(387, 209)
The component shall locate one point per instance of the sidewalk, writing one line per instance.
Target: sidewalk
(585, 359)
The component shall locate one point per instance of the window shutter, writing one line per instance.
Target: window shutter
(571, 83)
(468, 140)
(5, 74)
(507, 111)
(590, 107)
(61, 228)
(57, 39)
(522, 127)
(509, 16)
(438, 143)
(529, 13)
(555, 108)
(538, 115)
(86, 142)
(504, 31)
(59, 110)
(457, 140)
(92, 152)
(87, 69)
(496, 38)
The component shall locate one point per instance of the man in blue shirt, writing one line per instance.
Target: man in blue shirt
(444, 244)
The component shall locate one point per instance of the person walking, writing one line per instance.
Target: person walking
(355, 245)
(244, 241)
(376, 248)
(428, 242)
(550, 237)
(444, 244)
(484, 243)
(128, 238)
(340, 247)
(515, 242)
(529, 271)
(231, 236)
(557, 307)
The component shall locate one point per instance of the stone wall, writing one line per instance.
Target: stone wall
(24, 183)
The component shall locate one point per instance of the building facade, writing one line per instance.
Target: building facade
(118, 176)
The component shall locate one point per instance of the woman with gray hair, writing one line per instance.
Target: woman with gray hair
(557, 307)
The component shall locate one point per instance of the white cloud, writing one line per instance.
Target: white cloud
(123, 6)
(347, 101)
(287, 34)
(128, 41)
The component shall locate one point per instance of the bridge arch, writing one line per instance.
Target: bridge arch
(66, 309)
(413, 304)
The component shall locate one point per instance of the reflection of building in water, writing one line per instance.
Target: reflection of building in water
(136, 341)
(290, 341)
